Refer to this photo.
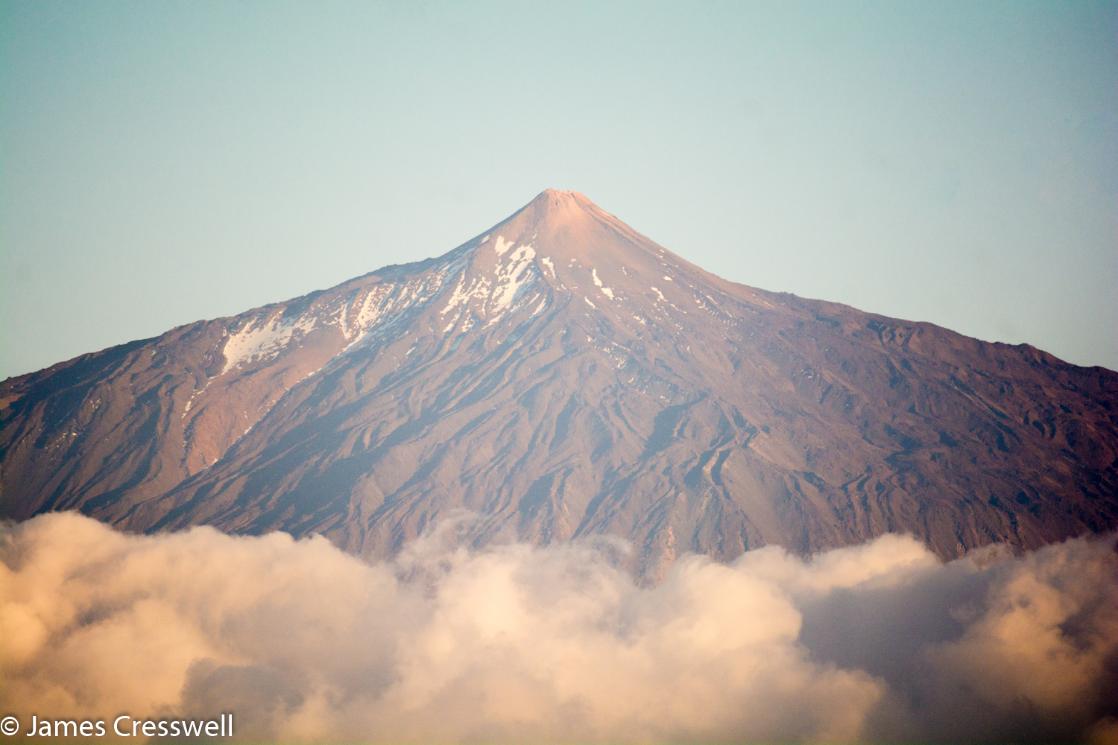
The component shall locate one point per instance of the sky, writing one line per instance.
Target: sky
(162, 163)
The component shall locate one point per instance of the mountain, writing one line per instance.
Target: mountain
(561, 376)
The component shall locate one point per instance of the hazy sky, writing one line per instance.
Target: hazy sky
(166, 162)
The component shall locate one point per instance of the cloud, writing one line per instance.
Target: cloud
(515, 643)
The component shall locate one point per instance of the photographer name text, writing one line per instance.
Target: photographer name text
(122, 726)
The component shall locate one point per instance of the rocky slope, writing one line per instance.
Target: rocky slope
(562, 376)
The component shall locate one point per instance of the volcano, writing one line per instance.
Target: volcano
(561, 376)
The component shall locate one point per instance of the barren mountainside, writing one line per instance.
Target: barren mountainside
(562, 376)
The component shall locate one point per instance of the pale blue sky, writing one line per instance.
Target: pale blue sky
(955, 162)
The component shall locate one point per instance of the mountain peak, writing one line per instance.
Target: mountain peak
(553, 208)
(568, 225)
(561, 194)
(561, 199)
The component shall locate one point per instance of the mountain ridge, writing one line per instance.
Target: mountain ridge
(562, 375)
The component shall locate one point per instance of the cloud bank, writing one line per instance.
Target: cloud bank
(520, 644)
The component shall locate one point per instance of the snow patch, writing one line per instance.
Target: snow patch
(502, 246)
(453, 322)
(493, 295)
(598, 283)
(459, 296)
(385, 303)
(511, 277)
(262, 339)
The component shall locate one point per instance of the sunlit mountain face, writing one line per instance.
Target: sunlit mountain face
(561, 376)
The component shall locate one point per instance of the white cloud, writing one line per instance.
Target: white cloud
(304, 642)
